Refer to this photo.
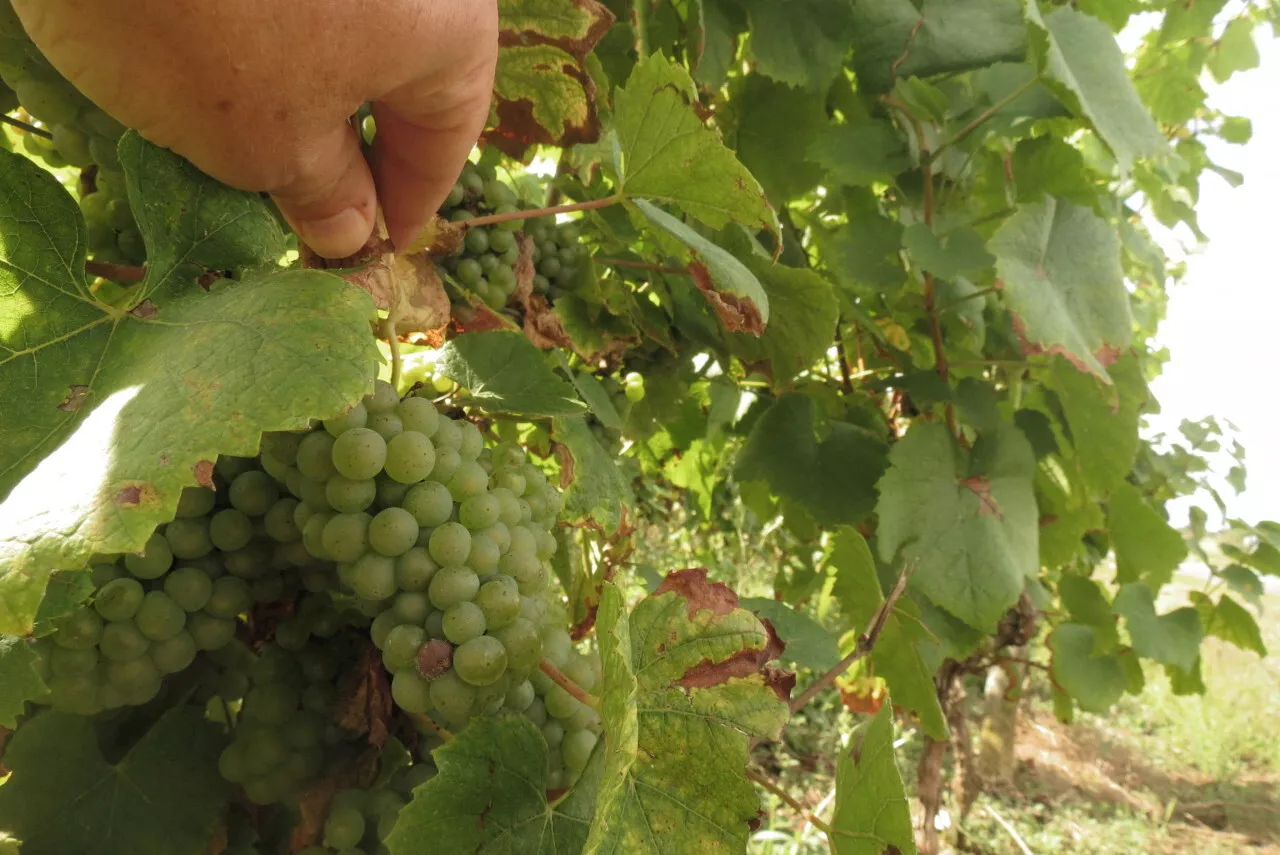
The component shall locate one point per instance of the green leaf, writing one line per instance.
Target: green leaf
(865, 253)
(1095, 682)
(1185, 21)
(730, 287)
(898, 38)
(1103, 420)
(121, 405)
(1060, 266)
(774, 124)
(871, 814)
(800, 42)
(669, 155)
(1244, 582)
(593, 393)
(805, 312)
(598, 491)
(66, 590)
(1050, 166)
(505, 373)
(1172, 638)
(1080, 61)
(543, 92)
(683, 693)
(861, 154)
(809, 644)
(1234, 51)
(946, 255)
(721, 22)
(1229, 621)
(897, 656)
(164, 797)
(1147, 548)
(833, 477)
(967, 520)
(20, 680)
(490, 797)
(1086, 604)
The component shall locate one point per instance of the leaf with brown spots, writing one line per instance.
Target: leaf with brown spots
(75, 398)
(686, 686)
(366, 706)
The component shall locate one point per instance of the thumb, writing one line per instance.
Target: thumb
(330, 202)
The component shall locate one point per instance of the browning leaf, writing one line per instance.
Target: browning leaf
(692, 584)
(737, 314)
(366, 706)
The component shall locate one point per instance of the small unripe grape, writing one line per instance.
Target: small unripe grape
(359, 454)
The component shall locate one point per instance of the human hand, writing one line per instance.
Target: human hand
(257, 93)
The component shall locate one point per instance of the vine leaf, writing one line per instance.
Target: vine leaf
(809, 644)
(958, 252)
(833, 478)
(900, 38)
(665, 153)
(1172, 638)
(1147, 548)
(1086, 604)
(805, 312)
(490, 797)
(19, 679)
(505, 373)
(896, 657)
(543, 91)
(597, 491)
(1063, 283)
(871, 813)
(801, 42)
(773, 124)
(66, 590)
(120, 404)
(1229, 621)
(165, 797)
(968, 518)
(859, 154)
(1103, 421)
(685, 687)
(1080, 61)
(1095, 682)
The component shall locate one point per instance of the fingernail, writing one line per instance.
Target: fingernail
(338, 236)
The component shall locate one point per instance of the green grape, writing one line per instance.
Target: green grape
(372, 577)
(305, 730)
(477, 240)
(210, 632)
(386, 425)
(273, 703)
(520, 697)
(497, 194)
(383, 398)
(400, 650)
(455, 197)
(344, 828)
(292, 633)
(584, 718)
(313, 534)
(346, 536)
(536, 712)
(253, 492)
(411, 692)
(138, 679)
(534, 478)
(471, 441)
(484, 555)
(576, 749)
(501, 241)
(500, 534)
(381, 627)
(547, 544)
(359, 454)
(411, 607)
(480, 661)
(348, 496)
(315, 456)
(469, 480)
(523, 542)
(533, 609)
(499, 599)
(463, 622)
(282, 446)
(268, 588)
(101, 574)
(447, 462)
(453, 585)
(510, 478)
(188, 538)
(121, 641)
(153, 561)
(580, 671)
(393, 532)
(313, 492)
(230, 529)
(450, 544)
(469, 272)
(479, 511)
(248, 563)
(229, 597)
(75, 694)
(509, 506)
(452, 697)
(195, 501)
(522, 642)
(49, 102)
(430, 503)
(233, 763)
(280, 521)
(159, 617)
(557, 645)
(356, 417)
(435, 625)
(419, 415)
(553, 733)
(414, 569)
(69, 662)
(410, 456)
(119, 600)
(447, 435)
(173, 654)
(560, 703)
(390, 491)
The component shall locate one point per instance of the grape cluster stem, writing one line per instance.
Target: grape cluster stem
(568, 685)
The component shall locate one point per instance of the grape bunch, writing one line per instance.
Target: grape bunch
(78, 135)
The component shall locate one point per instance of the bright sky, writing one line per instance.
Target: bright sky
(1223, 326)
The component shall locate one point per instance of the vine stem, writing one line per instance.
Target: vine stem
(986, 114)
(866, 643)
(25, 126)
(558, 677)
(641, 265)
(528, 214)
(118, 272)
(429, 722)
(794, 803)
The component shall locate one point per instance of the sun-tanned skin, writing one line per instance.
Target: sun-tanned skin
(257, 94)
